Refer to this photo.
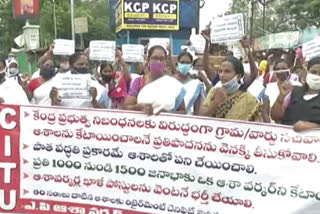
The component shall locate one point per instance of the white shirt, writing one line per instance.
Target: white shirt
(35, 74)
(273, 92)
(12, 93)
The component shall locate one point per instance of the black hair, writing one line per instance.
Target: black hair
(103, 65)
(64, 58)
(195, 61)
(238, 67)
(280, 61)
(187, 54)
(74, 57)
(297, 67)
(151, 50)
(314, 61)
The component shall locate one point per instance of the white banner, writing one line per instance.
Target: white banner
(64, 47)
(102, 50)
(227, 28)
(72, 86)
(161, 164)
(133, 53)
(311, 49)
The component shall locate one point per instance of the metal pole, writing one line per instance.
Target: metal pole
(54, 19)
(264, 14)
(72, 18)
(128, 37)
(251, 20)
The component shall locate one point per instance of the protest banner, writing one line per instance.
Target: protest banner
(64, 47)
(74, 86)
(227, 28)
(63, 160)
(311, 49)
(102, 50)
(133, 53)
(147, 15)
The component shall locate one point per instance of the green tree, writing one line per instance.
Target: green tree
(96, 11)
(281, 15)
(9, 28)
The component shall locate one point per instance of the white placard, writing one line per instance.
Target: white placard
(227, 28)
(198, 44)
(72, 86)
(102, 50)
(133, 53)
(164, 42)
(311, 49)
(64, 47)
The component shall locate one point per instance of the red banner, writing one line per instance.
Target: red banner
(26, 9)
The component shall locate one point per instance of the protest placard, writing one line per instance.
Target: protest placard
(64, 47)
(198, 44)
(163, 42)
(311, 49)
(102, 50)
(133, 53)
(98, 161)
(227, 28)
(74, 86)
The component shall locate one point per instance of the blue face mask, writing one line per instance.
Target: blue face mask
(184, 68)
(231, 86)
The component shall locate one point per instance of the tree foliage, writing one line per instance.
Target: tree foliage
(97, 13)
(281, 15)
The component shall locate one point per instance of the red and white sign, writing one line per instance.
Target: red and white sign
(26, 9)
(83, 161)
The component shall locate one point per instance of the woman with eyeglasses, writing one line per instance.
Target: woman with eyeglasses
(156, 92)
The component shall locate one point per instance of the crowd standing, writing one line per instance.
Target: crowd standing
(265, 90)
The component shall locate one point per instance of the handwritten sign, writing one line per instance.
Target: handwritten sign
(64, 47)
(133, 53)
(102, 50)
(163, 42)
(311, 49)
(74, 86)
(95, 161)
(227, 28)
(198, 44)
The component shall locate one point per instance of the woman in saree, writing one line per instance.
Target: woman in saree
(39, 88)
(300, 106)
(194, 88)
(156, 92)
(231, 101)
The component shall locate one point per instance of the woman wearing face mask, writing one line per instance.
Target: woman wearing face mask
(116, 83)
(13, 71)
(231, 101)
(156, 92)
(79, 65)
(39, 88)
(194, 88)
(300, 106)
(281, 71)
(10, 91)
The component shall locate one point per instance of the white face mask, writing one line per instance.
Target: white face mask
(13, 71)
(232, 86)
(313, 81)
